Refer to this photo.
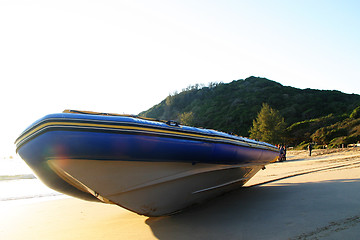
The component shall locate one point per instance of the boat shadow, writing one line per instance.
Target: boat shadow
(281, 211)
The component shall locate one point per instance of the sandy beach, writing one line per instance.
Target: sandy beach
(305, 197)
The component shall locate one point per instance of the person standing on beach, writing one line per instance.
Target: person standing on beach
(309, 148)
(282, 156)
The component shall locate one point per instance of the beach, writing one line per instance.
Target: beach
(305, 197)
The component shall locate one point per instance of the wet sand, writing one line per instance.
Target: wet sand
(305, 197)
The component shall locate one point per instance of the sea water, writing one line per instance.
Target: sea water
(18, 184)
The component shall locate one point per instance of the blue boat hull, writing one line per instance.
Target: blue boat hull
(63, 148)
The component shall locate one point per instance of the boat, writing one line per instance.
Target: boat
(151, 167)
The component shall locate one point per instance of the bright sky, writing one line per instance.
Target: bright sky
(126, 56)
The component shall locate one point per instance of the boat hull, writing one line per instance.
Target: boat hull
(148, 167)
(152, 188)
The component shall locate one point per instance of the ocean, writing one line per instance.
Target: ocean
(18, 184)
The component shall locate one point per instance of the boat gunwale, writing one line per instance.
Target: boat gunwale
(145, 128)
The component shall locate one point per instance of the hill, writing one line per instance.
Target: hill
(232, 107)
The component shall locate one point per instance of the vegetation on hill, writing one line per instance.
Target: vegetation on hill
(301, 132)
(232, 107)
(342, 132)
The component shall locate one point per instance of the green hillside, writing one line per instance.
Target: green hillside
(232, 107)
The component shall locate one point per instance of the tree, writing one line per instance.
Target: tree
(269, 126)
(187, 118)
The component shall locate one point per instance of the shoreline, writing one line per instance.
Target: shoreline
(303, 197)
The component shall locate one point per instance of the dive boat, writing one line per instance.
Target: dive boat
(150, 167)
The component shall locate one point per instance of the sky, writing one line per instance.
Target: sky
(122, 56)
